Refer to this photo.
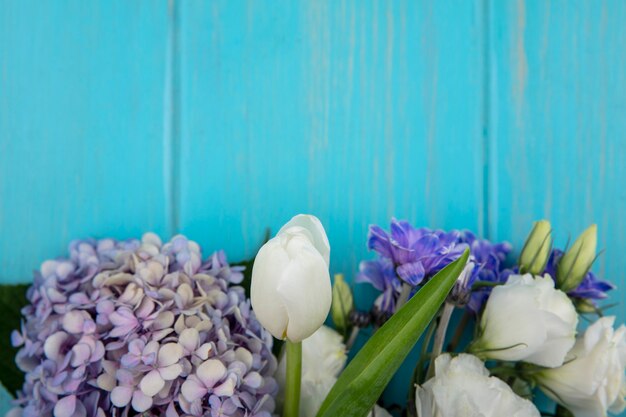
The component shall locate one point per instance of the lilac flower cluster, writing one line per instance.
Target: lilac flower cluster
(130, 327)
(413, 255)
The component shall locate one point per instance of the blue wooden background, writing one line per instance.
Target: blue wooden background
(220, 118)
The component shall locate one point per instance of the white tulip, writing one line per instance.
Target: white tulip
(462, 387)
(291, 292)
(528, 320)
(323, 358)
(592, 380)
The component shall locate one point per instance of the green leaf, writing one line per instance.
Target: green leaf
(12, 299)
(367, 375)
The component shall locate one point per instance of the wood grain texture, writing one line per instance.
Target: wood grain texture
(342, 109)
(354, 111)
(220, 119)
(558, 131)
(81, 125)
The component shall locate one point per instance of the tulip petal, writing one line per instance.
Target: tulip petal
(305, 291)
(267, 270)
(314, 227)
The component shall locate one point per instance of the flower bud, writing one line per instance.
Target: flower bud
(290, 291)
(575, 264)
(342, 303)
(536, 250)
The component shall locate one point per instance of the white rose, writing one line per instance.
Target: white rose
(528, 320)
(291, 292)
(592, 379)
(323, 358)
(462, 387)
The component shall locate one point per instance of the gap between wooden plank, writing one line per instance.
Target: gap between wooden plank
(171, 123)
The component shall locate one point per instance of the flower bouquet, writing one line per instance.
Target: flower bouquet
(142, 327)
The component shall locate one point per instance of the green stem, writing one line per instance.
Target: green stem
(404, 295)
(353, 335)
(440, 335)
(294, 374)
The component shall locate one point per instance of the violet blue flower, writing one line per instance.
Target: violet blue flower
(591, 287)
(412, 256)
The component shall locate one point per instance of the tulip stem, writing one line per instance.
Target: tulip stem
(294, 374)
(440, 336)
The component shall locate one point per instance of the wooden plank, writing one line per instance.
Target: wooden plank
(355, 111)
(81, 125)
(558, 131)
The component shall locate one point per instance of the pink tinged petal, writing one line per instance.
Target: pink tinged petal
(160, 334)
(253, 380)
(97, 353)
(210, 372)
(151, 348)
(141, 402)
(136, 347)
(73, 322)
(163, 321)
(169, 354)
(244, 355)
(89, 327)
(226, 389)
(189, 339)
(145, 308)
(105, 382)
(120, 396)
(123, 316)
(152, 383)
(193, 389)
(65, 407)
(171, 411)
(52, 346)
(80, 354)
(125, 377)
(171, 372)
(203, 351)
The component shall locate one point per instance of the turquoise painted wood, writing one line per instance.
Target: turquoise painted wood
(557, 143)
(220, 119)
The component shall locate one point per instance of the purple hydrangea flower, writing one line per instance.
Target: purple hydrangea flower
(591, 287)
(127, 327)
